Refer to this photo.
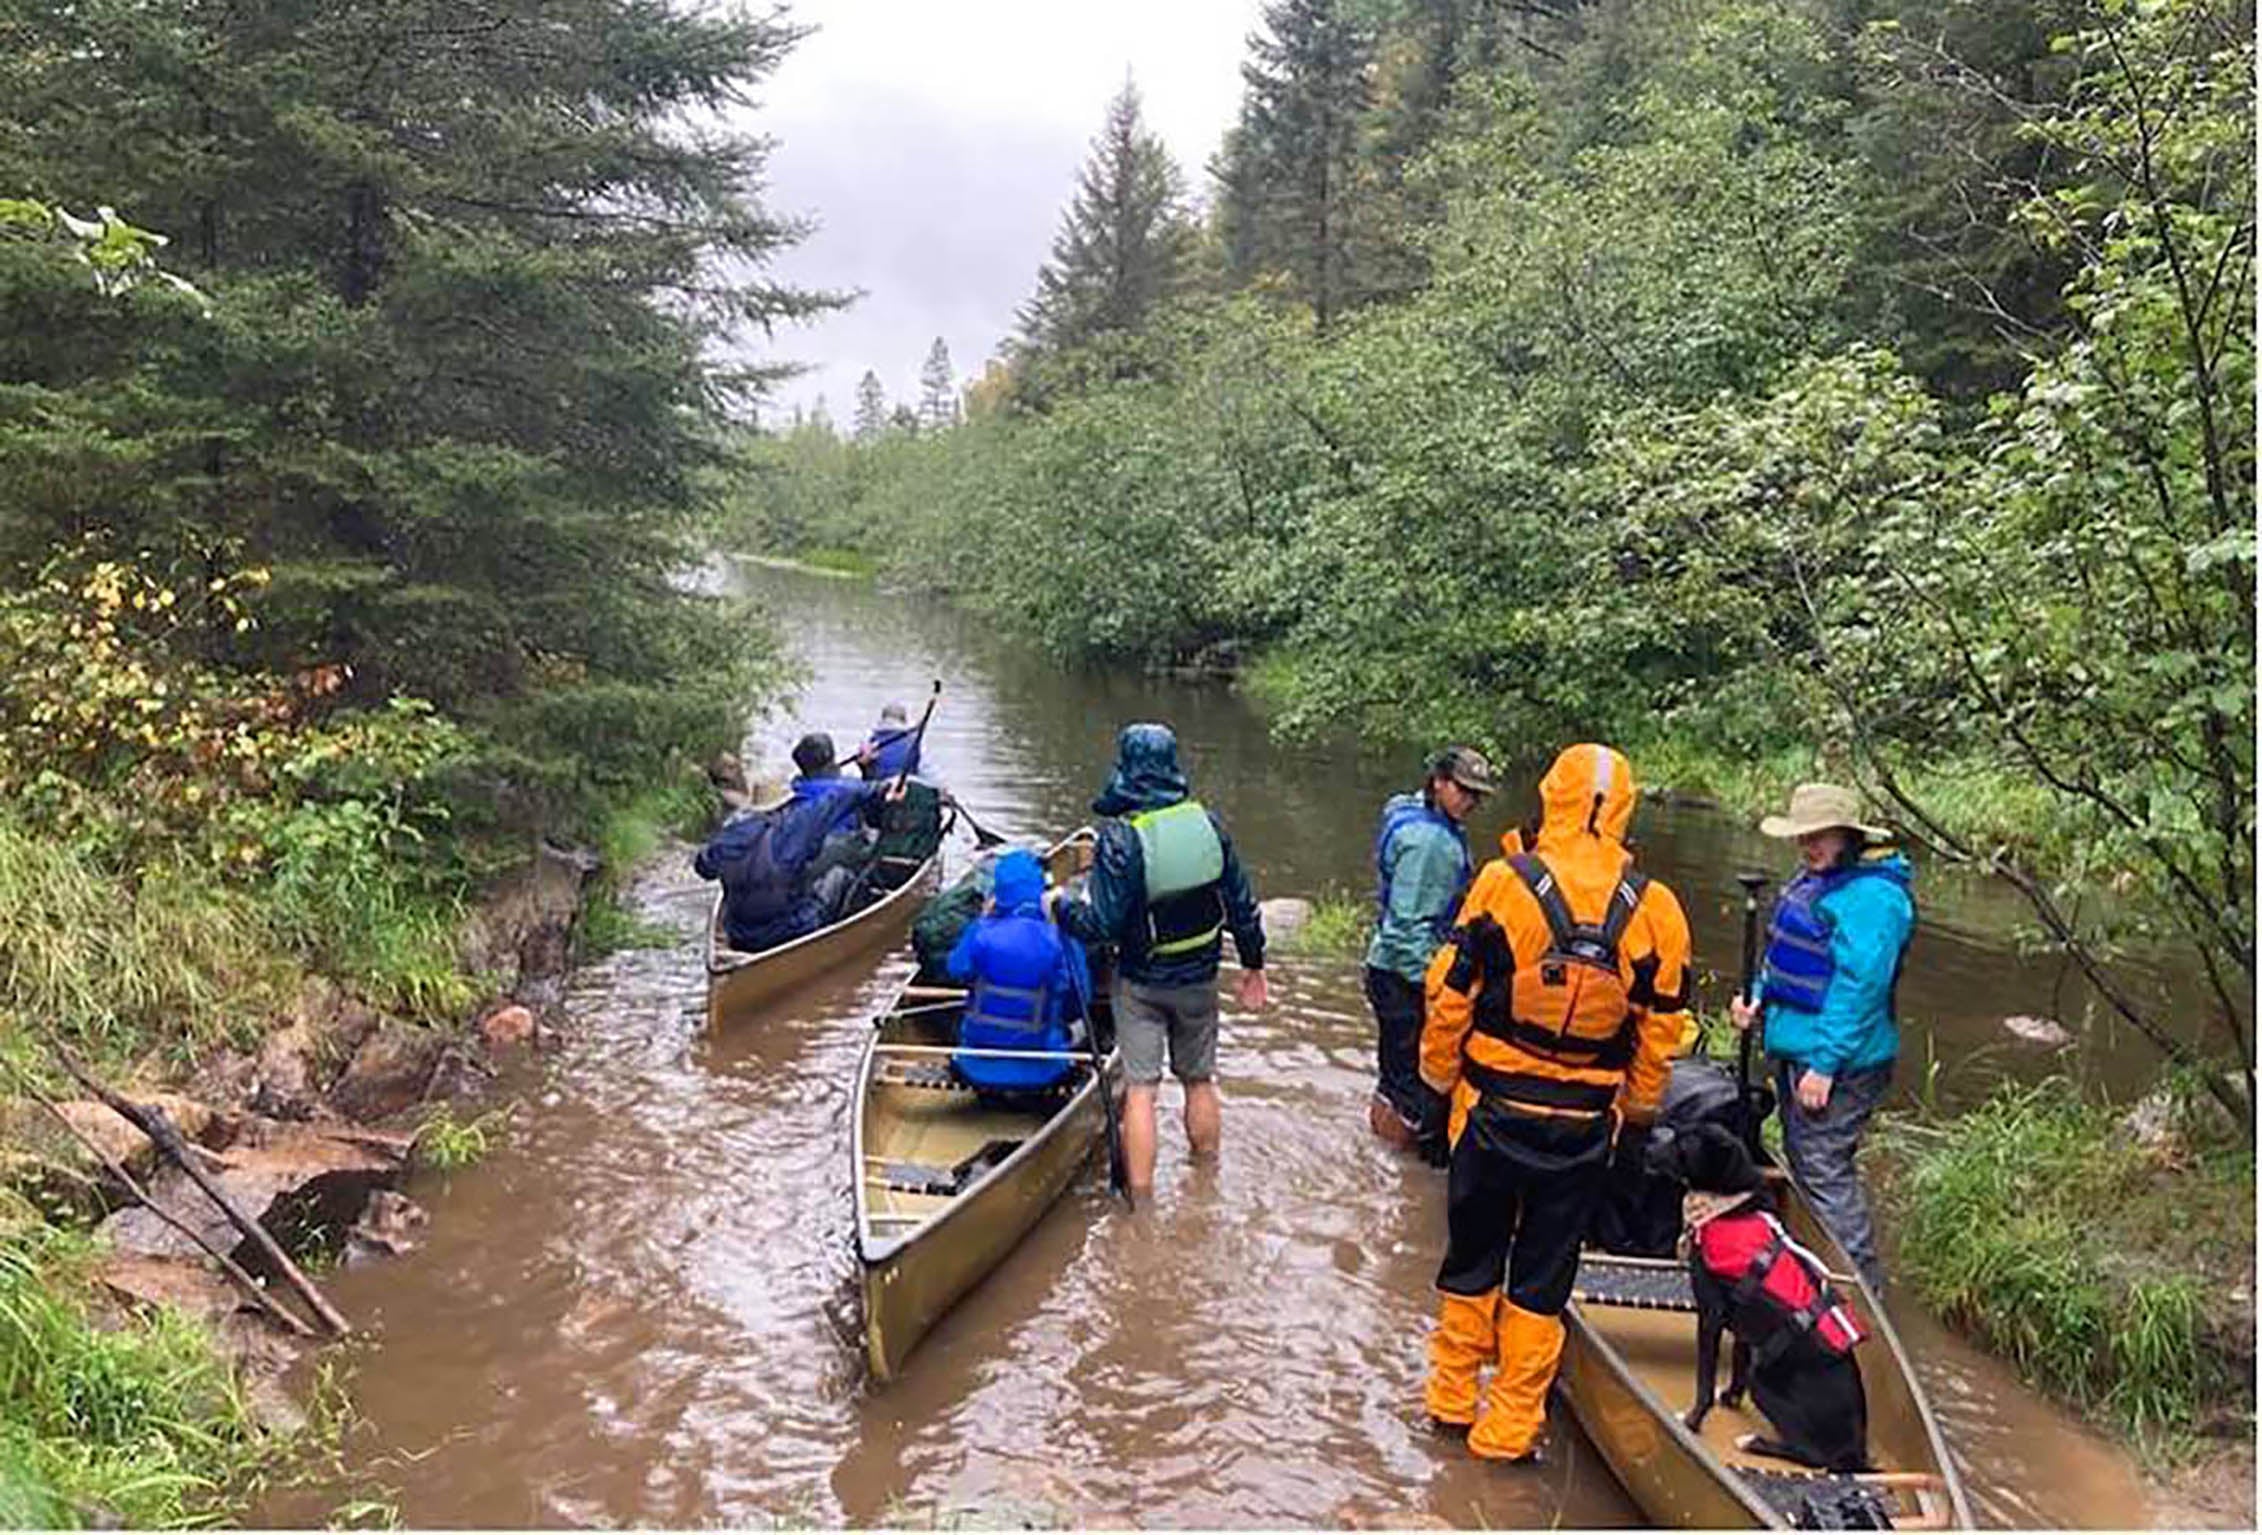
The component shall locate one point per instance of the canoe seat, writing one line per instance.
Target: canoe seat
(1604, 1281)
(944, 1182)
(1814, 1500)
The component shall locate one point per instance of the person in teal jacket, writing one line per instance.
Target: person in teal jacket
(1840, 930)
(1422, 869)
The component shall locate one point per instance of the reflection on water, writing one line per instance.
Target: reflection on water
(643, 1309)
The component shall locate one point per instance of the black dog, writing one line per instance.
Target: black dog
(1794, 1341)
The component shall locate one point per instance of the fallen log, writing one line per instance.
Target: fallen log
(153, 1123)
(228, 1266)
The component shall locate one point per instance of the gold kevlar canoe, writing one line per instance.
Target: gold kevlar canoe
(946, 1182)
(739, 983)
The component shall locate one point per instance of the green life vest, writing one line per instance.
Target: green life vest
(1184, 862)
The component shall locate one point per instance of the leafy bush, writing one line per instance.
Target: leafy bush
(140, 1422)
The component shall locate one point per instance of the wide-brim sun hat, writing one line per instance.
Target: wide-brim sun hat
(1819, 807)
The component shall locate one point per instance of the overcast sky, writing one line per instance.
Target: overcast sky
(935, 142)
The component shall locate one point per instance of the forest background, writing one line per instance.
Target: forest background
(1759, 385)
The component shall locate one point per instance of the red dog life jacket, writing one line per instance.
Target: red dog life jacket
(1751, 1253)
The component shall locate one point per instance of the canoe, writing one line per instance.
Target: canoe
(946, 1184)
(739, 983)
(1629, 1373)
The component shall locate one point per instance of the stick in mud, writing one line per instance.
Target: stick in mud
(153, 1123)
(228, 1266)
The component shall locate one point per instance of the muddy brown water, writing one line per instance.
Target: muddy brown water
(642, 1308)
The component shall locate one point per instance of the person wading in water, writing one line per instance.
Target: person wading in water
(1552, 1017)
(1422, 869)
(1835, 944)
(1165, 888)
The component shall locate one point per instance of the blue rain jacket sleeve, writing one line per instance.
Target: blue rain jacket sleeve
(726, 846)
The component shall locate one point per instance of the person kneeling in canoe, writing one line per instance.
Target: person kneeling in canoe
(1552, 1016)
(1027, 983)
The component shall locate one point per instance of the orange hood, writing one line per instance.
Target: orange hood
(1586, 801)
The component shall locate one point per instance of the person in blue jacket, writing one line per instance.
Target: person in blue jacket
(788, 869)
(1165, 888)
(1422, 869)
(1026, 983)
(1840, 930)
(892, 749)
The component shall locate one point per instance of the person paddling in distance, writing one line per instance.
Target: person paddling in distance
(1165, 888)
(1422, 869)
(1835, 944)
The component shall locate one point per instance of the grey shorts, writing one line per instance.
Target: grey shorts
(1146, 1017)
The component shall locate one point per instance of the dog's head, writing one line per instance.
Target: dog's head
(1706, 1158)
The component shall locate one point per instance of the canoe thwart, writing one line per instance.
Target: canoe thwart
(1845, 1282)
(1837, 1501)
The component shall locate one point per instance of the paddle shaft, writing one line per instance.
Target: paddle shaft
(1748, 990)
(1118, 1176)
(918, 739)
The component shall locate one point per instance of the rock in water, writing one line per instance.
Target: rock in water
(2038, 1031)
(506, 1026)
(1284, 914)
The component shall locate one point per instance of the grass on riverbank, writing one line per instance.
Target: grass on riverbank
(629, 833)
(2105, 1271)
(138, 1423)
(1338, 928)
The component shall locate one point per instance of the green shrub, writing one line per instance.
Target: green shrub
(142, 1421)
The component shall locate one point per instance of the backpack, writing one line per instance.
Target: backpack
(1573, 1005)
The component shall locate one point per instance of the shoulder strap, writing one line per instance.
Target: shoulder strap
(1540, 880)
(1623, 902)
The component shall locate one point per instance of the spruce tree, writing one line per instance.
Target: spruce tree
(468, 272)
(871, 408)
(938, 389)
(1291, 181)
(1125, 244)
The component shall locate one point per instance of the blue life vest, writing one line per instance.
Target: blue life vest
(1016, 1003)
(1798, 967)
(894, 753)
(1396, 818)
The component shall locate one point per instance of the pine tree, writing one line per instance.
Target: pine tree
(456, 390)
(871, 408)
(1289, 184)
(1125, 244)
(938, 389)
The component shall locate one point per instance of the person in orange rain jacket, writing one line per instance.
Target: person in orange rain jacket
(1552, 1014)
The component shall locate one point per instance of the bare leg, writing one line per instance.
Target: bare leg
(1139, 1136)
(1203, 1116)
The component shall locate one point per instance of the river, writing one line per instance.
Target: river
(641, 1309)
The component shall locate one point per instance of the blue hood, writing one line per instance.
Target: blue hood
(1146, 776)
(1019, 882)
